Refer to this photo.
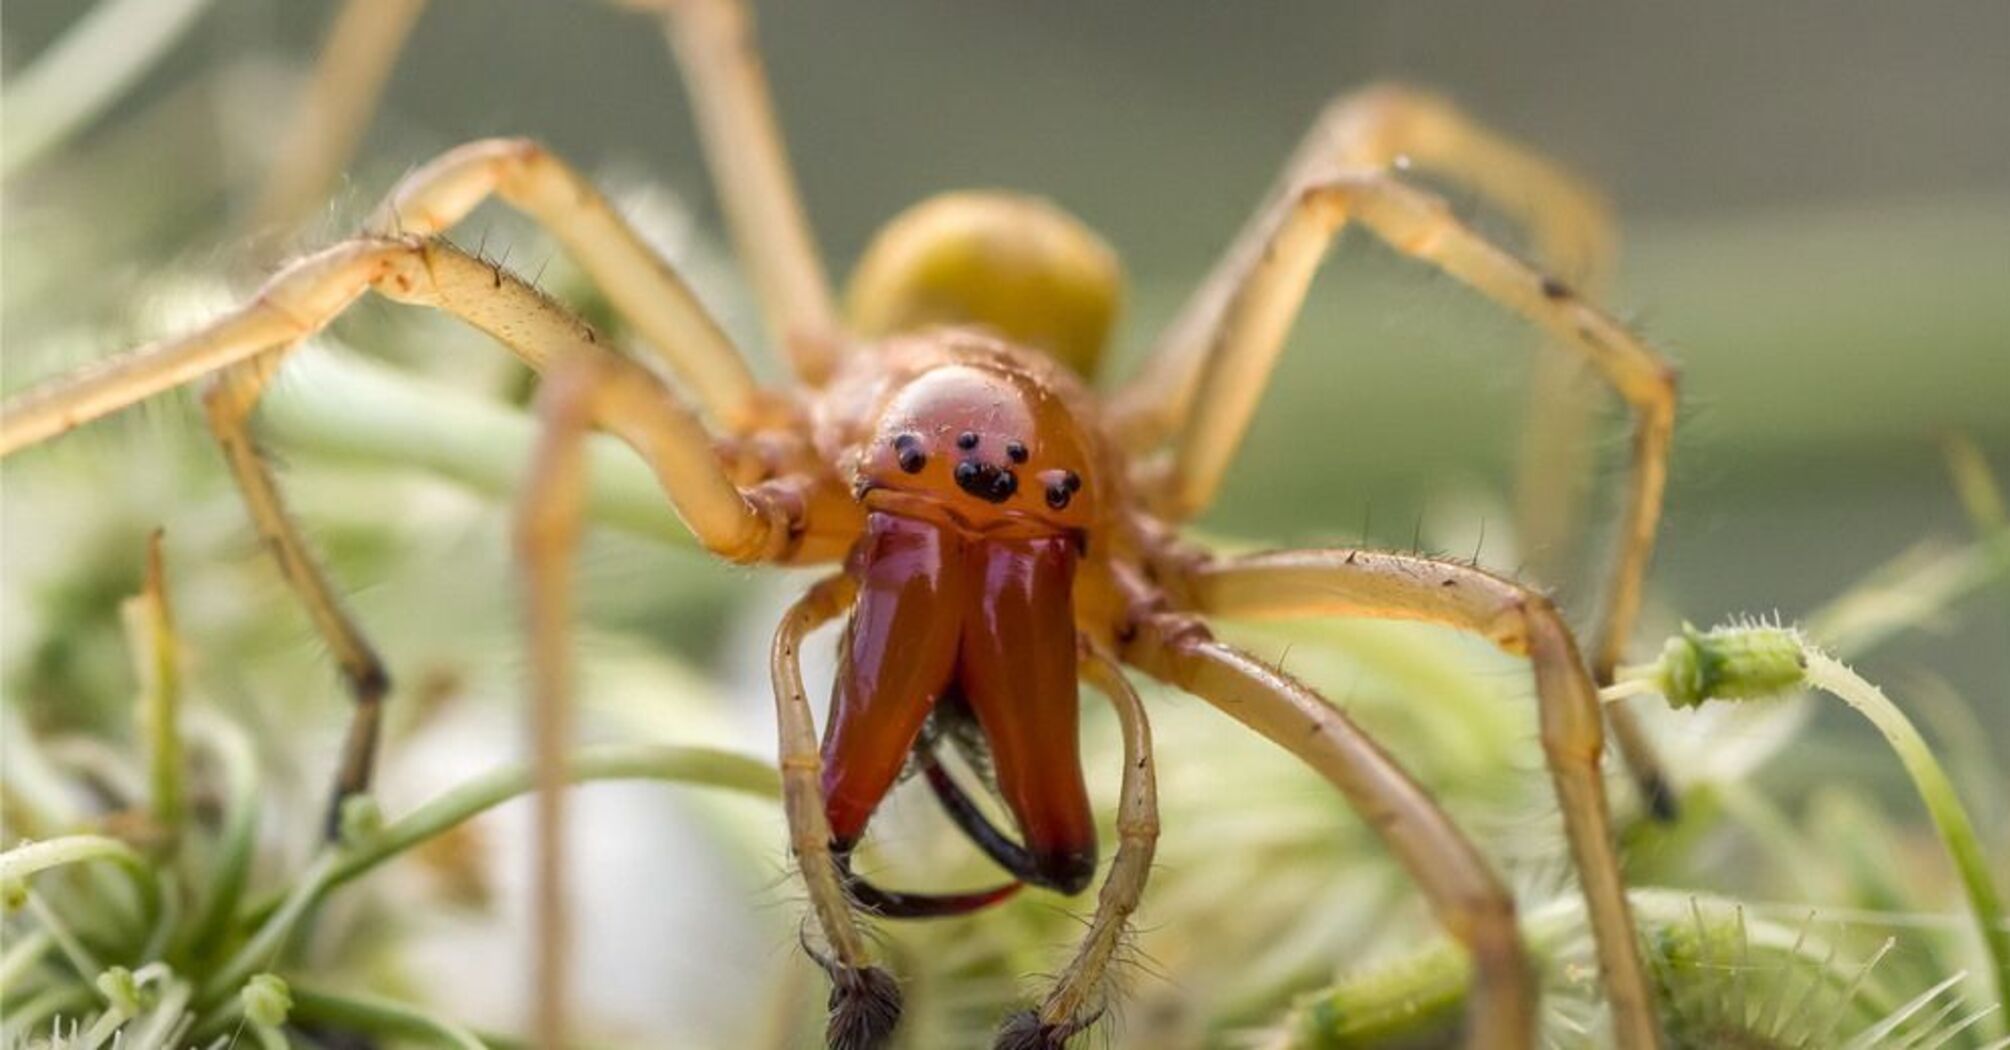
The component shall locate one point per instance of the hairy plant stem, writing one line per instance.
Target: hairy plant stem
(275, 918)
(1943, 805)
(1760, 661)
(1693, 943)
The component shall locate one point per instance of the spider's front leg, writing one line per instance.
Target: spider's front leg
(713, 43)
(1072, 1005)
(637, 280)
(246, 345)
(1392, 586)
(865, 1001)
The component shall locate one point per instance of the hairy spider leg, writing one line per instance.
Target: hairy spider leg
(635, 278)
(865, 1001)
(1471, 904)
(712, 41)
(757, 524)
(228, 398)
(1519, 621)
(1074, 1002)
(1201, 385)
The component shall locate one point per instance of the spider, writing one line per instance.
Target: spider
(998, 529)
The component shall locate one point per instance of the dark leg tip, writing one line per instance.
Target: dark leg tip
(1025, 1031)
(864, 1008)
(331, 820)
(1662, 801)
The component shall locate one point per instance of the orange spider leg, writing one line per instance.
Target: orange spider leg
(865, 1001)
(1375, 130)
(228, 400)
(247, 344)
(1463, 892)
(635, 278)
(1072, 1003)
(714, 44)
(357, 56)
(1392, 586)
(1203, 381)
(587, 389)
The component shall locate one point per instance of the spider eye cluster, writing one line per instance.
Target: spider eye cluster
(987, 470)
(980, 445)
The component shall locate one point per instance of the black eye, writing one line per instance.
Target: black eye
(1072, 480)
(1058, 496)
(907, 452)
(966, 440)
(1016, 451)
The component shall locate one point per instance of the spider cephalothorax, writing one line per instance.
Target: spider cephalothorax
(997, 528)
(966, 578)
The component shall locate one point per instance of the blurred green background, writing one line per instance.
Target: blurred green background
(1814, 202)
(1814, 198)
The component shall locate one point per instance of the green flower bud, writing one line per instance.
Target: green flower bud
(266, 1000)
(121, 991)
(1736, 662)
(361, 820)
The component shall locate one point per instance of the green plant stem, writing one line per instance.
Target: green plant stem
(380, 1017)
(103, 1029)
(1420, 999)
(232, 863)
(80, 958)
(342, 404)
(275, 917)
(261, 952)
(1943, 805)
(693, 766)
(167, 919)
(57, 1001)
(22, 955)
(164, 1021)
(150, 636)
(86, 70)
(32, 857)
